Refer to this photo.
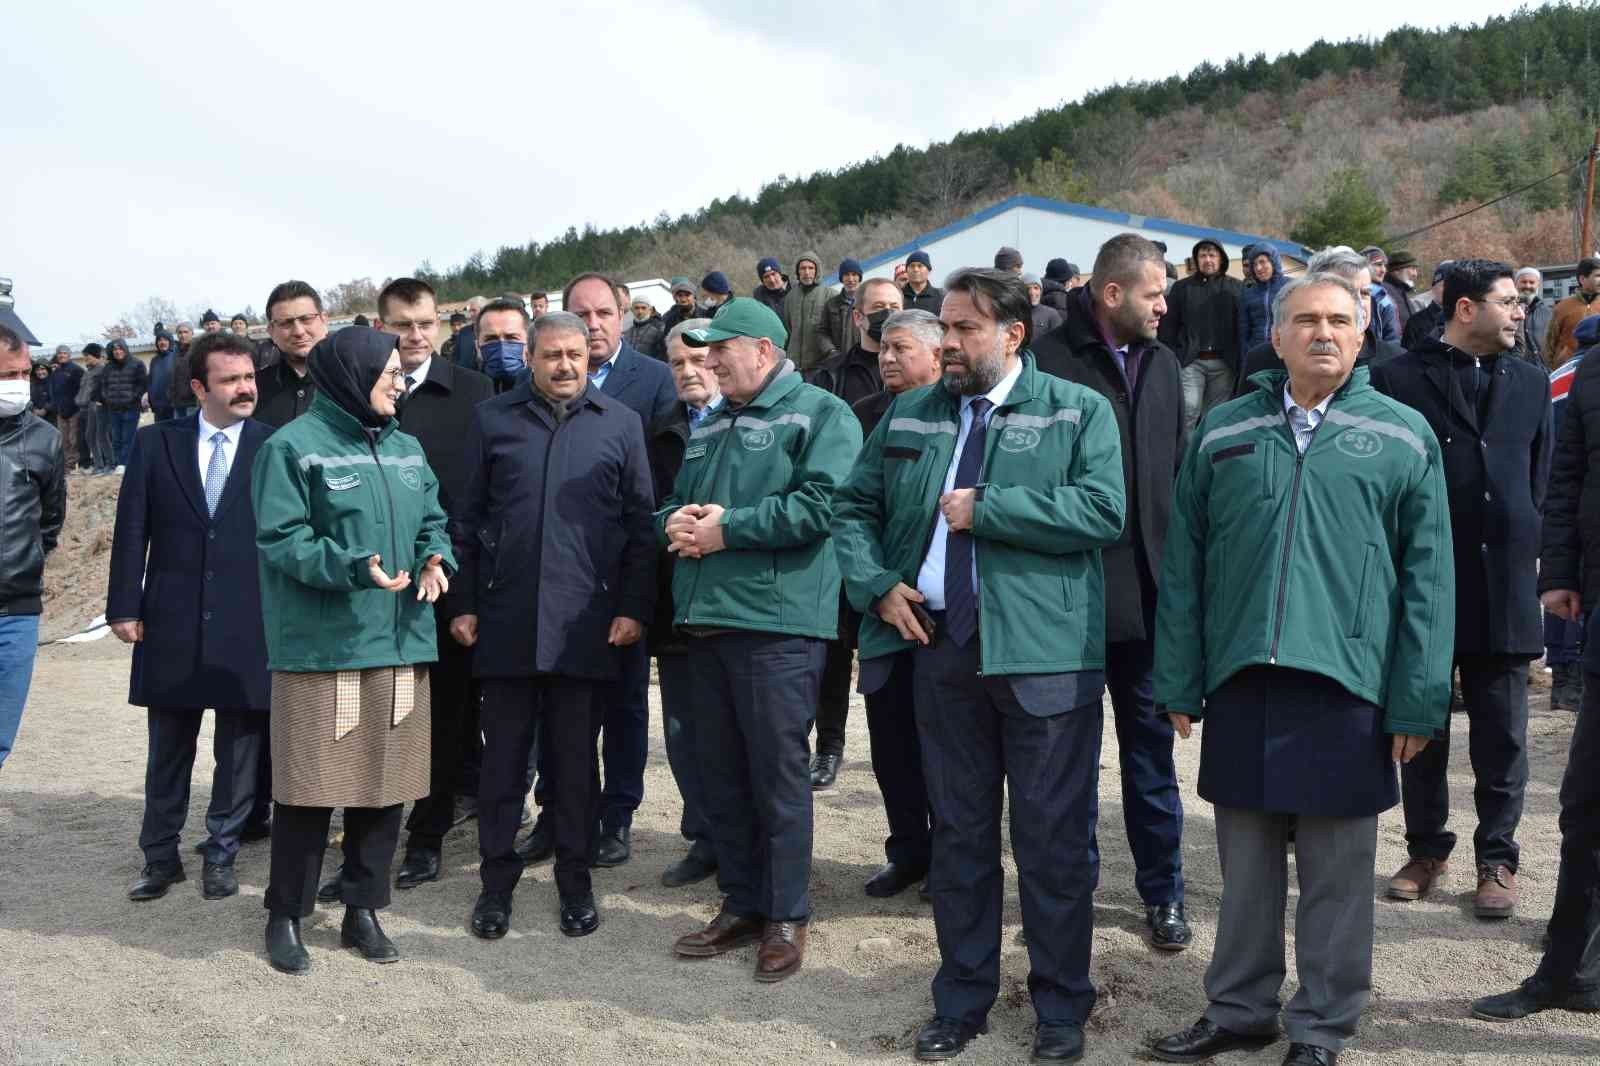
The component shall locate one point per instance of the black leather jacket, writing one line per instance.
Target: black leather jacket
(33, 504)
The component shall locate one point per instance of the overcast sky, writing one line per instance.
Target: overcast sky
(203, 152)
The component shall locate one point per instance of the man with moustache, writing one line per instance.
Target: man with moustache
(295, 323)
(645, 386)
(908, 358)
(184, 591)
(667, 439)
(1019, 476)
(437, 410)
(1109, 343)
(852, 376)
(557, 577)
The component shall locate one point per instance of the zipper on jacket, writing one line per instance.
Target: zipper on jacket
(1288, 531)
(388, 498)
(722, 452)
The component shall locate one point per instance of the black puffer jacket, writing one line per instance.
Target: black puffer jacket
(122, 384)
(1053, 294)
(649, 337)
(33, 505)
(1203, 314)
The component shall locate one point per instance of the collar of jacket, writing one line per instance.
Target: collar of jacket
(325, 410)
(1272, 381)
(525, 393)
(783, 380)
(1027, 385)
(1083, 329)
(1435, 350)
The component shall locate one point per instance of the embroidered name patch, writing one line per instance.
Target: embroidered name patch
(340, 484)
(694, 451)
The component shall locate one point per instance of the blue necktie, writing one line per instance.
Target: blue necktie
(960, 593)
(216, 473)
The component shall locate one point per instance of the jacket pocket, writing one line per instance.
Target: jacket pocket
(489, 545)
(1358, 623)
(1268, 456)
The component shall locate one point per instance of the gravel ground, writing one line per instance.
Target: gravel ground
(86, 976)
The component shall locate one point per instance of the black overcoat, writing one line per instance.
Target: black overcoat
(1496, 474)
(438, 412)
(191, 578)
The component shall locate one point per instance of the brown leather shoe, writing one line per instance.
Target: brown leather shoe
(783, 948)
(726, 932)
(1417, 877)
(1497, 893)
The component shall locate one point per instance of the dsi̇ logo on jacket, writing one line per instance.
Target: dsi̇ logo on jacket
(1019, 440)
(1359, 443)
(757, 440)
(410, 478)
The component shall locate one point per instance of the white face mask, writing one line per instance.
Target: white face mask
(15, 397)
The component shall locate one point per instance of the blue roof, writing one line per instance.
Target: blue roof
(1099, 214)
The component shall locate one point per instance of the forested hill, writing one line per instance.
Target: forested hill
(1355, 142)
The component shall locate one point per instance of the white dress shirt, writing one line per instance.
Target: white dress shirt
(230, 446)
(930, 579)
(1303, 422)
(419, 375)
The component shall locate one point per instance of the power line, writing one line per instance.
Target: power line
(1490, 203)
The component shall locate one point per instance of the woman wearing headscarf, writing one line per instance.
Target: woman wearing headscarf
(347, 511)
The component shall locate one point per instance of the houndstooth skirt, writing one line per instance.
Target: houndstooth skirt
(356, 738)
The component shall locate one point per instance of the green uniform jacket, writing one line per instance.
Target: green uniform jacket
(325, 501)
(1337, 562)
(774, 464)
(1050, 496)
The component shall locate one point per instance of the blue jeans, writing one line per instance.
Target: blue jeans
(19, 640)
(124, 424)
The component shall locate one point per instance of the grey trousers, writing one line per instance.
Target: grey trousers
(1206, 383)
(1335, 860)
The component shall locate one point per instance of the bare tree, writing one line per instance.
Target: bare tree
(140, 321)
(952, 176)
(358, 294)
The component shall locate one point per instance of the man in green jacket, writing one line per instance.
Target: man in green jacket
(756, 589)
(970, 531)
(1307, 613)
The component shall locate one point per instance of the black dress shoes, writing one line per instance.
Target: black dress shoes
(491, 916)
(1531, 997)
(284, 948)
(421, 865)
(1310, 1055)
(945, 1038)
(699, 864)
(362, 932)
(1058, 1043)
(824, 769)
(466, 809)
(331, 889)
(615, 847)
(892, 880)
(1169, 930)
(579, 917)
(1204, 1039)
(217, 881)
(538, 845)
(154, 882)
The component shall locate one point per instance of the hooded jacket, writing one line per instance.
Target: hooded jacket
(65, 380)
(649, 337)
(1255, 302)
(1202, 313)
(839, 332)
(121, 384)
(802, 316)
(159, 388)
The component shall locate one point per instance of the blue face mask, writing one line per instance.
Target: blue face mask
(502, 359)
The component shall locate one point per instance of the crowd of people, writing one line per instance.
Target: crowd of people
(428, 562)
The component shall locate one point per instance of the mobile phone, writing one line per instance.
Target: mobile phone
(925, 620)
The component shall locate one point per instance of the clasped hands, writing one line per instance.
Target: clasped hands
(695, 530)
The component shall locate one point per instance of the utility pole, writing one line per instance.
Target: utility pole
(1585, 247)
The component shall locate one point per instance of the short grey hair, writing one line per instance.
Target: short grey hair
(675, 334)
(923, 325)
(1312, 281)
(1531, 270)
(1341, 259)
(557, 322)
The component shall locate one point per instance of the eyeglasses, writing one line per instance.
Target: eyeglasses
(396, 376)
(1509, 303)
(303, 321)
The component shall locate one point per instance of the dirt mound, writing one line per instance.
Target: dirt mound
(76, 573)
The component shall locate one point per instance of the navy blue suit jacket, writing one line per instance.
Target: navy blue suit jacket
(642, 383)
(191, 578)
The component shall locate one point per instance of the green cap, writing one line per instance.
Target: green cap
(740, 317)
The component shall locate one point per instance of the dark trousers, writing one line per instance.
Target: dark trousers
(124, 424)
(261, 811)
(299, 838)
(679, 722)
(1573, 959)
(897, 764)
(624, 741)
(1152, 809)
(566, 713)
(451, 688)
(833, 697)
(169, 765)
(977, 742)
(1563, 640)
(755, 694)
(1495, 690)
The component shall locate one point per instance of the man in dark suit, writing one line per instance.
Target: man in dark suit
(184, 592)
(1108, 343)
(437, 410)
(1491, 414)
(557, 579)
(644, 385)
(295, 323)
